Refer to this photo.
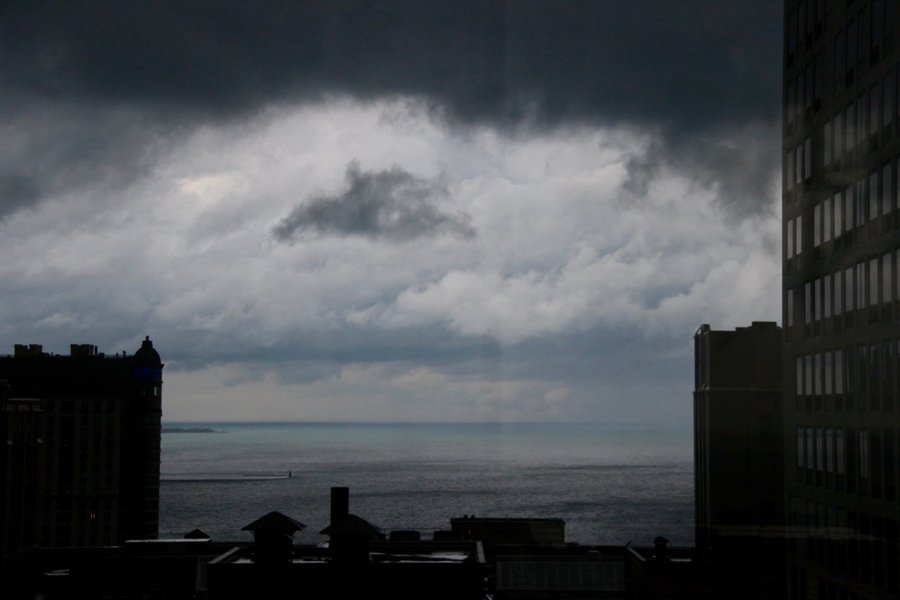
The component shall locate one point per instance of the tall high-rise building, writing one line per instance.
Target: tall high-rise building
(841, 216)
(738, 460)
(99, 441)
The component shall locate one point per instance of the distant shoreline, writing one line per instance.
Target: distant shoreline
(190, 430)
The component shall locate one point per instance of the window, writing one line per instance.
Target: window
(817, 225)
(838, 223)
(838, 294)
(817, 303)
(827, 147)
(817, 375)
(789, 242)
(792, 33)
(789, 171)
(873, 282)
(873, 195)
(810, 85)
(860, 286)
(848, 280)
(877, 26)
(810, 461)
(861, 206)
(807, 302)
(887, 287)
(887, 188)
(862, 113)
(850, 125)
(801, 9)
(840, 50)
(826, 220)
(864, 454)
(829, 450)
(789, 308)
(801, 448)
(838, 135)
(840, 455)
(820, 450)
(827, 358)
(791, 96)
(890, 97)
(798, 375)
(864, 23)
(799, 247)
(807, 158)
(849, 201)
(875, 109)
(808, 371)
(826, 309)
(897, 190)
(838, 372)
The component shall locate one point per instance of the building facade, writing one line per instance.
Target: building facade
(98, 458)
(738, 459)
(841, 217)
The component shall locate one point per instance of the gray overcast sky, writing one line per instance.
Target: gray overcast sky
(420, 210)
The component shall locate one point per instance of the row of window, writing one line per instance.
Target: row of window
(862, 461)
(798, 164)
(854, 48)
(860, 41)
(840, 135)
(866, 284)
(823, 449)
(805, 23)
(865, 200)
(867, 374)
(872, 111)
(803, 90)
(846, 543)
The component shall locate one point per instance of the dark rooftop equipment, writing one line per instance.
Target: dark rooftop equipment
(405, 535)
(350, 536)
(340, 503)
(273, 538)
(196, 534)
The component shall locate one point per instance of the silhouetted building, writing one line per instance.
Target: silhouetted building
(20, 450)
(664, 573)
(97, 469)
(739, 458)
(545, 571)
(510, 530)
(356, 563)
(841, 213)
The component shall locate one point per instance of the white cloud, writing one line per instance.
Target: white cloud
(186, 255)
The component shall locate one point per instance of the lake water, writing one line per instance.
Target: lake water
(610, 484)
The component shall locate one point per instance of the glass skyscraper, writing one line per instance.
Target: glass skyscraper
(841, 216)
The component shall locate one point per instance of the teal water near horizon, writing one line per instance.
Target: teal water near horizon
(611, 484)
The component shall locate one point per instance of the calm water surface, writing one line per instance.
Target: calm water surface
(611, 485)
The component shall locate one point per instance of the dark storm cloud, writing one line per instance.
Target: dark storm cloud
(52, 148)
(683, 69)
(17, 190)
(393, 205)
(739, 162)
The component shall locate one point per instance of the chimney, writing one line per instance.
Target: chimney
(340, 503)
(660, 549)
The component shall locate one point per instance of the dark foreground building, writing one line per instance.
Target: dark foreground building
(738, 459)
(841, 217)
(481, 559)
(86, 444)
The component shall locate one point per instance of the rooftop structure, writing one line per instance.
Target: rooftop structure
(97, 464)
